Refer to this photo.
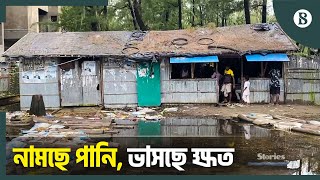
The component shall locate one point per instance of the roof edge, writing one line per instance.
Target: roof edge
(291, 40)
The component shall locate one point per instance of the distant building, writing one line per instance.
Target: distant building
(20, 20)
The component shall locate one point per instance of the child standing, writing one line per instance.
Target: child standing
(246, 91)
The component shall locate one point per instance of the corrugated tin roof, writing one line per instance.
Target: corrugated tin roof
(211, 41)
(233, 39)
(70, 44)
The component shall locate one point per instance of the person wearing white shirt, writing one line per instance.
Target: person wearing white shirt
(246, 91)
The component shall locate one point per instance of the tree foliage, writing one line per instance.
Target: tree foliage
(162, 14)
(84, 18)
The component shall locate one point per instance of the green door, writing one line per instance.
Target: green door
(148, 79)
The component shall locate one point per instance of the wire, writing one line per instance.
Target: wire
(126, 49)
(200, 41)
(222, 47)
(179, 41)
(135, 36)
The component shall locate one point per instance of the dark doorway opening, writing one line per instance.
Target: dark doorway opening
(234, 63)
(260, 69)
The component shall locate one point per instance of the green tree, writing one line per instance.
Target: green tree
(84, 18)
(162, 14)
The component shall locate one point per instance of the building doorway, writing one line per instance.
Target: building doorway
(80, 83)
(234, 63)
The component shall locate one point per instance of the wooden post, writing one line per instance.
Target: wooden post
(168, 66)
(37, 106)
(192, 70)
(241, 79)
(262, 72)
(218, 84)
(101, 68)
(217, 66)
(285, 83)
(59, 82)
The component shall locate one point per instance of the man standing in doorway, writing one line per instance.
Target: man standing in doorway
(228, 84)
(275, 86)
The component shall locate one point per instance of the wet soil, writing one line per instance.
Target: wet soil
(294, 111)
(77, 112)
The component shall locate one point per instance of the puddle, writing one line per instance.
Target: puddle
(258, 150)
(10, 107)
(12, 132)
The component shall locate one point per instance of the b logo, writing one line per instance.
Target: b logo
(302, 18)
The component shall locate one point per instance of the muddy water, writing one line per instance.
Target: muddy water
(10, 107)
(13, 131)
(258, 150)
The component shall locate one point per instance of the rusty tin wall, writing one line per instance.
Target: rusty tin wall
(120, 84)
(71, 86)
(39, 77)
(195, 91)
(80, 86)
(260, 90)
(303, 80)
(4, 77)
(91, 83)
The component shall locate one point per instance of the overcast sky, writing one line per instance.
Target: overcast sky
(270, 7)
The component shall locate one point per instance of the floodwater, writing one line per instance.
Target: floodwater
(259, 151)
(10, 107)
(14, 131)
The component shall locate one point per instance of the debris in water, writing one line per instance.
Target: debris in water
(316, 123)
(169, 110)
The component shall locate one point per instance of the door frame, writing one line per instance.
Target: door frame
(99, 62)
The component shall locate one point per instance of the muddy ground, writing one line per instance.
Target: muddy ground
(294, 111)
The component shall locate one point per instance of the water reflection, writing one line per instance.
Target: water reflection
(301, 152)
(185, 127)
(305, 166)
(10, 108)
(247, 134)
(226, 127)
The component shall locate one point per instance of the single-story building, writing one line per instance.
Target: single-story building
(125, 69)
